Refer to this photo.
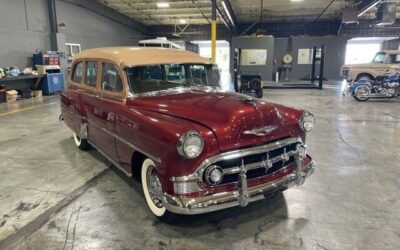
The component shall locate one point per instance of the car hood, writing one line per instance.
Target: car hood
(228, 115)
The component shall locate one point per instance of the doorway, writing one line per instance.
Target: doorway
(222, 60)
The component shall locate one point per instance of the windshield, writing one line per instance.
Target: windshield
(379, 58)
(143, 79)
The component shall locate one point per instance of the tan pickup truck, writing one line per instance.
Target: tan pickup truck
(383, 64)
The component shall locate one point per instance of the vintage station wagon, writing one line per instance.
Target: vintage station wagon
(159, 114)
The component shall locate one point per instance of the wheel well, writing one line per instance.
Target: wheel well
(365, 74)
(137, 161)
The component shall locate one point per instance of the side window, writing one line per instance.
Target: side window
(91, 74)
(110, 79)
(77, 75)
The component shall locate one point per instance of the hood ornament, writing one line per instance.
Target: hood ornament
(263, 131)
(251, 101)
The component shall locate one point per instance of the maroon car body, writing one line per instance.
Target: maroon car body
(257, 146)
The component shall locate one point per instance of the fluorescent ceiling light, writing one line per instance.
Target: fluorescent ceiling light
(182, 21)
(296, 0)
(163, 5)
(227, 11)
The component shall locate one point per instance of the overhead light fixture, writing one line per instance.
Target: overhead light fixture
(162, 5)
(227, 11)
(182, 21)
(296, 0)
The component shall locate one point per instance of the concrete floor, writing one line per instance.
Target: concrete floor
(53, 196)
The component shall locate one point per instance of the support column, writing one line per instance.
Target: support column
(214, 30)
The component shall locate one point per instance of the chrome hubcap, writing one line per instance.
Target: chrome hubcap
(154, 187)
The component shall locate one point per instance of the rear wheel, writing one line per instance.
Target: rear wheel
(82, 144)
(152, 191)
(362, 92)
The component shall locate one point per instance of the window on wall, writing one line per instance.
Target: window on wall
(111, 81)
(91, 74)
(72, 49)
(77, 75)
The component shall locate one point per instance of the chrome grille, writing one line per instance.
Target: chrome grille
(259, 164)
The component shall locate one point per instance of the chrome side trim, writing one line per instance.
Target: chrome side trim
(110, 160)
(157, 159)
(206, 204)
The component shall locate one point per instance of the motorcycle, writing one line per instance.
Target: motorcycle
(387, 88)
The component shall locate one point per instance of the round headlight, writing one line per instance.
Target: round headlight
(190, 145)
(307, 121)
(213, 175)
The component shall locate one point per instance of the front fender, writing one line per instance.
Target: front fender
(156, 135)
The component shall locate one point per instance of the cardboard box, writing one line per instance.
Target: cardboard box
(41, 69)
(37, 93)
(11, 95)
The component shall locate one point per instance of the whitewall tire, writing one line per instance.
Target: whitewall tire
(152, 190)
(82, 144)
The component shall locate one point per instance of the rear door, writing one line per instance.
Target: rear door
(71, 104)
(97, 134)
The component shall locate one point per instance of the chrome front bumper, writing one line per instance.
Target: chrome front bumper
(242, 196)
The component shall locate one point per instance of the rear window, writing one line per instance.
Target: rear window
(91, 74)
(394, 58)
(77, 73)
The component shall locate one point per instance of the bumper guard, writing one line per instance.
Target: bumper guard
(242, 196)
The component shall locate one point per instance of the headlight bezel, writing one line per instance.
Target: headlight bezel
(183, 139)
(302, 120)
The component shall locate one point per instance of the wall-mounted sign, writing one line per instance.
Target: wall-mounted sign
(305, 56)
(254, 57)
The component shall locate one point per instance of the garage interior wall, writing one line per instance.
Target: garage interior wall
(92, 30)
(335, 54)
(25, 28)
(278, 47)
(267, 43)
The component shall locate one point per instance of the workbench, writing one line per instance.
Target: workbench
(21, 82)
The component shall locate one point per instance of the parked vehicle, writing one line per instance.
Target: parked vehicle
(161, 42)
(159, 114)
(388, 88)
(251, 84)
(388, 60)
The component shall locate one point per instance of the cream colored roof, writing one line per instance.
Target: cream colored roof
(391, 51)
(132, 56)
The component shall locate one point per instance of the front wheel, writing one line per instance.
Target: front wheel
(361, 93)
(152, 191)
(82, 144)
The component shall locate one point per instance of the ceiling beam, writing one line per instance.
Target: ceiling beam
(366, 5)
